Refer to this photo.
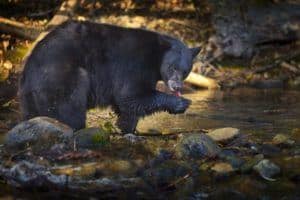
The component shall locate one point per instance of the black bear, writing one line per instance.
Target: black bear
(81, 65)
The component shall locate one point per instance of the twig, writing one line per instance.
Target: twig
(42, 13)
(276, 63)
(290, 67)
(180, 179)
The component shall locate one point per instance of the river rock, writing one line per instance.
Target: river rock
(222, 168)
(282, 140)
(224, 134)
(197, 146)
(39, 132)
(248, 166)
(90, 138)
(232, 156)
(267, 169)
(165, 173)
(269, 150)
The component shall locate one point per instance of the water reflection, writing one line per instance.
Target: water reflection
(265, 112)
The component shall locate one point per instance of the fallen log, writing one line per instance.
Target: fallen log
(21, 30)
(18, 29)
(201, 81)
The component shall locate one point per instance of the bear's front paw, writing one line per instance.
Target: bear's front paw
(180, 106)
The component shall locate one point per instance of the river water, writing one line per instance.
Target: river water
(261, 112)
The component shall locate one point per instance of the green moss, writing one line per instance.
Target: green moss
(101, 138)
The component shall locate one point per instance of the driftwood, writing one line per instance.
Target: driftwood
(18, 29)
(201, 81)
(65, 12)
(21, 30)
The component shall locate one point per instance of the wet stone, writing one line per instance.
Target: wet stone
(282, 140)
(241, 141)
(267, 169)
(224, 135)
(39, 133)
(165, 173)
(197, 146)
(162, 156)
(269, 150)
(248, 166)
(90, 138)
(222, 168)
(231, 156)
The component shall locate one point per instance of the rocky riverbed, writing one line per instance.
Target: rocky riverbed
(255, 157)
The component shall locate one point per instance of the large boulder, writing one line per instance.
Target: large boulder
(39, 132)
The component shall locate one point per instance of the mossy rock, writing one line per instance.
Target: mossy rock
(90, 138)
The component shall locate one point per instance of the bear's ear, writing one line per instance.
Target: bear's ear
(195, 51)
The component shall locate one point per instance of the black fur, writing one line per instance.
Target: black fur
(81, 65)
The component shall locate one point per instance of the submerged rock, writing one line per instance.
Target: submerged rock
(90, 138)
(164, 174)
(39, 132)
(197, 146)
(269, 150)
(267, 169)
(224, 134)
(267, 84)
(248, 166)
(231, 157)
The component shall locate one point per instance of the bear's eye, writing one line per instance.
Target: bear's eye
(173, 68)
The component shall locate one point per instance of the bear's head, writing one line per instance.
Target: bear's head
(177, 64)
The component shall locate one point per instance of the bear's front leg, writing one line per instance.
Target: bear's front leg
(127, 123)
(130, 109)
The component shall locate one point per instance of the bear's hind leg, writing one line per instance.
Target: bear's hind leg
(73, 114)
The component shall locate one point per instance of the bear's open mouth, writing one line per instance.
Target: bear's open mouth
(177, 93)
(175, 87)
